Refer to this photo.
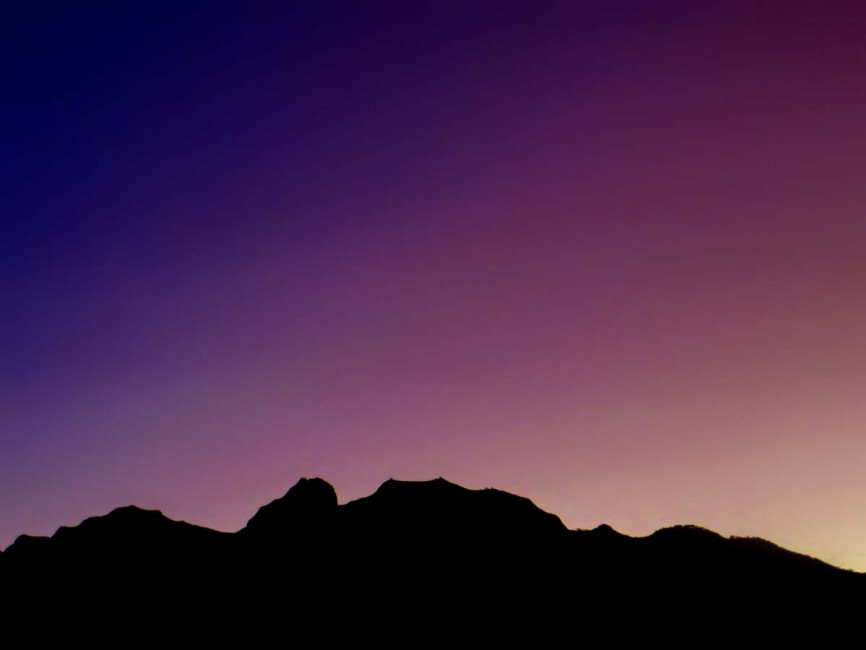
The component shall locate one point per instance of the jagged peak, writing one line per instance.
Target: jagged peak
(393, 484)
(307, 500)
(311, 487)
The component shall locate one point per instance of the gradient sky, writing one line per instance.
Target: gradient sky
(609, 256)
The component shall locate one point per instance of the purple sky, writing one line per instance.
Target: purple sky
(609, 256)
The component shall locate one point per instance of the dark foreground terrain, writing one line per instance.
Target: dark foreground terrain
(414, 563)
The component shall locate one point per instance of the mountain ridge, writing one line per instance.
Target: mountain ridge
(414, 556)
(308, 499)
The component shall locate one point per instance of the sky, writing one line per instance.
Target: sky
(606, 255)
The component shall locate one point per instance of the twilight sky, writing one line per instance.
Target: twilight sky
(610, 256)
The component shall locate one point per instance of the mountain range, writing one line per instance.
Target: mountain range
(427, 557)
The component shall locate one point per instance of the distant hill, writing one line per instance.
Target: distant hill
(427, 557)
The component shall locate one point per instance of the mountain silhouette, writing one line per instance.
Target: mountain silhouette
(427, 557)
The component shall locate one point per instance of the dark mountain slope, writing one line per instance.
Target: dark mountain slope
(127, 543)
(307, 509)
(440, 511)
(424, 555)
